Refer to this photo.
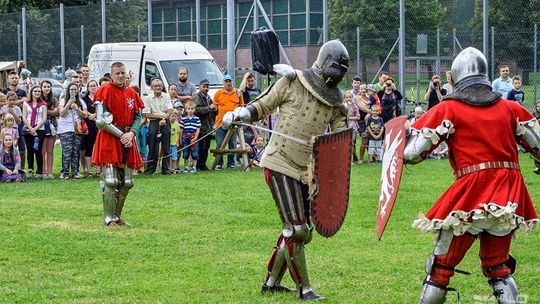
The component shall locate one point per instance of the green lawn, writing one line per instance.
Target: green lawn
(206, 238)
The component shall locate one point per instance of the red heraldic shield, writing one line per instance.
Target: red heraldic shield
(331, 179)
(392, 166)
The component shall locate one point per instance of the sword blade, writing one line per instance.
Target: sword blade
(298, 140)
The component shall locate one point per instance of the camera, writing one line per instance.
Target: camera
(435, 84)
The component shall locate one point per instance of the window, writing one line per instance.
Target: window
(280, 7)
(298, 6)
(156, 16)
(169, 15)
(151, 72)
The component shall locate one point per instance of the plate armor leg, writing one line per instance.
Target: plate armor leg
(108, 184)
(505, 290)
(292, 201)
(125, 176)
(499, 266)
(440, 266)
(277, 264)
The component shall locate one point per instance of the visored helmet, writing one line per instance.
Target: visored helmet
(469, 68)
(332, 62)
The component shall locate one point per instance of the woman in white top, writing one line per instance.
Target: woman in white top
(72, 111)
(34, 117)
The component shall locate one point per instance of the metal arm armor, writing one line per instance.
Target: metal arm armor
(417, 148)
(104, 120)
(530, 138)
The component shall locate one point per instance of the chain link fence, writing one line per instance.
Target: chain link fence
(432, 38)
(126, 21)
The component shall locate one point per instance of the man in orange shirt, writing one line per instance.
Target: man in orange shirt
(226, 99)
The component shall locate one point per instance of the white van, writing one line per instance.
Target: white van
(149, 60)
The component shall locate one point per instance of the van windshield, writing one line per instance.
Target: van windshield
(197, 71)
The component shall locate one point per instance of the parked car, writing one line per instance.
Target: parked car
(56, 86)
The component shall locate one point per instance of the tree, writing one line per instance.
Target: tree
(378, 22)
(43, 29)
(514, 24)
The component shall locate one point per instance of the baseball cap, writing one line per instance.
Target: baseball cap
(370, 87)
(227, 77)
(204, 81)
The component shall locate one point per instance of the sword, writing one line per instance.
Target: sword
(298, 140)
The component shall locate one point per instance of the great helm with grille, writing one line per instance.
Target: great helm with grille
(469, 68)
(332, 62)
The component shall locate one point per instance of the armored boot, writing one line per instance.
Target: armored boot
(296, 260)
(126, 175)
(108, 187)
(432, 293)
(505, 290)
(276, 269)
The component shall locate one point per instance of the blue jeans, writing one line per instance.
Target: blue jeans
(220, 136)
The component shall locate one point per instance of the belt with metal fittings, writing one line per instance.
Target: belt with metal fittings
(486, 165)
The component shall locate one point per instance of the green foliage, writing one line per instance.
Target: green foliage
(206, 238)
(11, 6)
(378, 20)
(513, 22)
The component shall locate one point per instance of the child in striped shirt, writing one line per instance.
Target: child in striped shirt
(190, 127)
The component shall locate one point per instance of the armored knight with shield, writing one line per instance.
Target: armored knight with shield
(118, 116)
(489, 200)
(309, 104)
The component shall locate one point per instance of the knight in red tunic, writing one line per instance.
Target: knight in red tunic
(489, 200)
(118, 116)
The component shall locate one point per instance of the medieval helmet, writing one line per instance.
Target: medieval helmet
(469, 68)
(332, 62)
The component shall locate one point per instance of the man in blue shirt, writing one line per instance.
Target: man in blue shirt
(503, 84)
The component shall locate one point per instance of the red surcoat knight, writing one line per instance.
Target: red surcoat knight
(123, 104)
(498, 194)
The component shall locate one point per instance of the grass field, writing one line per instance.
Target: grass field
(206, 238)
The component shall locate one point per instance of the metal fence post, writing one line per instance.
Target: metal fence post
(103, 22)
(149, 9)
(325, 21)
(24, 35)
(402, 87)
(19, 50)
(485, 27)
(198, 21)
(82, 44)
(138, 33)
(535, 63)
(358, 51)
(438, 60)
(62, 40)
(231, 52)
(492, 61)
(454, 42)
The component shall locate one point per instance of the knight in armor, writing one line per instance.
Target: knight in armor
(489, 200)
(309, 102)
(118, 116)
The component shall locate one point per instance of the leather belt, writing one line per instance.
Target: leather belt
(486, 165)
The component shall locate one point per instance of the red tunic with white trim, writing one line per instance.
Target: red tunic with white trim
(123, 103)
(478, 134)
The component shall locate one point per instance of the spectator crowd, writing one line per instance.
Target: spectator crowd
(177, 124)
(179, 121)
(372, 105)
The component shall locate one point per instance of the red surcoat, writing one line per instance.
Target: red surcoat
(123, 104)
(480, 134)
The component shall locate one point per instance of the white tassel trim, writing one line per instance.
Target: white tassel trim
(460, 221)
(441, 132)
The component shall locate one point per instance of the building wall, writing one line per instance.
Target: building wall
(296, 22)
(301, 57)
